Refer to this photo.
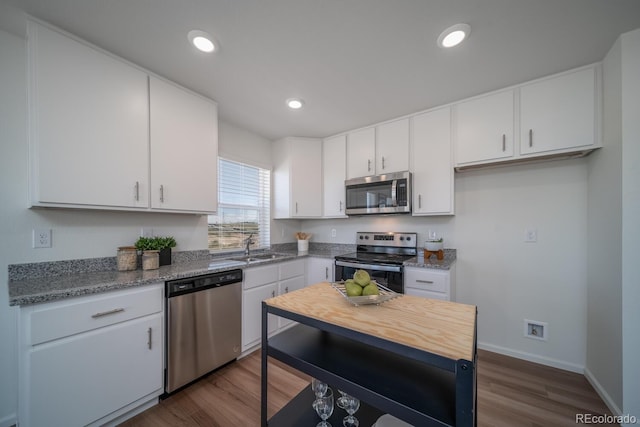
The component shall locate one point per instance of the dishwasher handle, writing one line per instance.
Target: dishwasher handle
(178, 287)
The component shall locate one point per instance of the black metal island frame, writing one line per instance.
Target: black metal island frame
(411, 357)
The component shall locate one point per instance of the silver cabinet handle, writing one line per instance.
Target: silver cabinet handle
(106, 313)
(419, 201)
(137, 187)
(430, 282)
(383, 162)
(296, 207)
(340, 206)
(326, 273)
(369, 165)
(286, 289)
(273, 293)
(149, 343)
(162, 194)
(504, 142)
(530, 137)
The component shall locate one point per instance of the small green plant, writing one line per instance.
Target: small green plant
(155, 243)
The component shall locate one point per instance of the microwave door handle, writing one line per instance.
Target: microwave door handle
(394, 192)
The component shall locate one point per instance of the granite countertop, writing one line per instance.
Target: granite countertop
(46, 282)
(55, 286)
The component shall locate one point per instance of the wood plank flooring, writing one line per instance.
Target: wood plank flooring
(511, 393)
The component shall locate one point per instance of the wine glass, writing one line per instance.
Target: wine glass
(351, 405)
(324, 408)
(319, 388)
(340, 400)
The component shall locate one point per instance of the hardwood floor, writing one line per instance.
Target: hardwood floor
(511, 392)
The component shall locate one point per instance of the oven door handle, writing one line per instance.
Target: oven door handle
(376, 267)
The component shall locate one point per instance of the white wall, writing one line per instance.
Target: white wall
(604, 320)
(508, 279)
(631, 221)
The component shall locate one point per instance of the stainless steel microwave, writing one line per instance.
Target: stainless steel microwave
(379, 194)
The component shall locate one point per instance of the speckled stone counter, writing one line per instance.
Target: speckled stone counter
(433, 262)
(49, 281)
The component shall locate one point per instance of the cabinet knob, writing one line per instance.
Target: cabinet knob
(286, 290)
(273, 293)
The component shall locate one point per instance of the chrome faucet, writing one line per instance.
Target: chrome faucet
(247, 251)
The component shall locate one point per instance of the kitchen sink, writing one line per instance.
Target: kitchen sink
(258, 257)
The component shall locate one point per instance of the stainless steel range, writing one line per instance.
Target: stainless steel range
(381, 255)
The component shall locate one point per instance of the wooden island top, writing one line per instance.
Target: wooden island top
(440, 327)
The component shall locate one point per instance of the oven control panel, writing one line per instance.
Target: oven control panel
(401, 240)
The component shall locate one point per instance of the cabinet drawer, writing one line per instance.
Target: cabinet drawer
(64, 318)
(428, 280)
(258, 276)
(291, 269)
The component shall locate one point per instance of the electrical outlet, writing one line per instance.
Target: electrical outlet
(41, 237)
(146, 232)
(530, 235)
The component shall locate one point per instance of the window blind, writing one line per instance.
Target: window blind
(244, 201)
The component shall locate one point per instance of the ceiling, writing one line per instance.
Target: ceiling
(354, 62)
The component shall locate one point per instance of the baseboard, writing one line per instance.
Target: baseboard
(9, 421)
(602, 392)
(555, 363)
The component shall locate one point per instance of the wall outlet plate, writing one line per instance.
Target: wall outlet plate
(41, 237)
(535, 329)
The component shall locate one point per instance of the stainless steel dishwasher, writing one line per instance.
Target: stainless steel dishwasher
(203, 325)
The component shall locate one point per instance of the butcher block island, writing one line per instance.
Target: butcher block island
(411, 357)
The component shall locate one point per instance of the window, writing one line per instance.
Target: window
(243, 207)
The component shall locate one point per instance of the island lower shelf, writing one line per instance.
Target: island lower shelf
(420, 387)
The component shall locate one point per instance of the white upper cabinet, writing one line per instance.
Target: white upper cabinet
(297, 178)
(334, 170)
(485, 128)
(105, 135)
(558, 113)
(184, 149)
(392, 146)
(374, 151)
(432, 163)
(88, 125)
(361, 153)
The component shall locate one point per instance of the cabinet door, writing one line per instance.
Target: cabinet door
(558, 113)
(484, 128)
(392, 147)
(89, 122)
(361, 153)
(252, 314)
(334, 173)
(184, 149)
(79, 380)
(286, 286)
(319, 270)
(306, 177)
(428, 283)
(432, 164)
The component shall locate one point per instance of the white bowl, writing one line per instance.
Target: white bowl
(433, 246)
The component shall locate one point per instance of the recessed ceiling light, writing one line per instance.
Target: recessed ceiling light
(295, 103)
(454, 35)
(201, 40)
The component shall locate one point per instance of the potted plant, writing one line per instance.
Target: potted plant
(161, 244)
(164, 246)
(150, 252)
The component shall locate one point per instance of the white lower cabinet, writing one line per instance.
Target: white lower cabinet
(430, 283)
(263, 282)
(319, 270)
(90, 360)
